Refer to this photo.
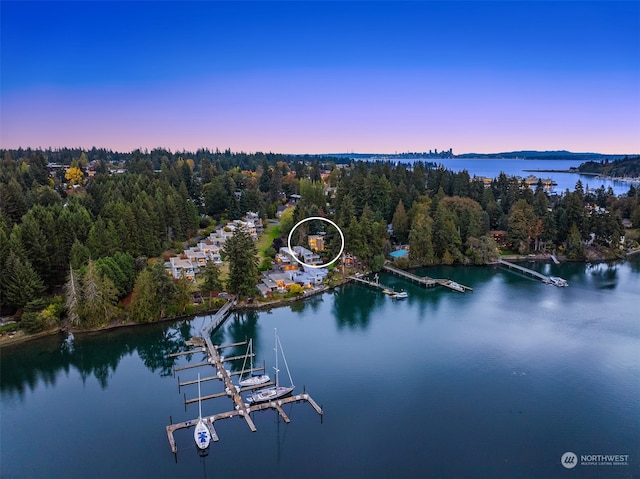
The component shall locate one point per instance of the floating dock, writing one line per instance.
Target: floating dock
(428, 282)
(217, 361)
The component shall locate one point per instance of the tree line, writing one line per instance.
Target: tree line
(88, 234)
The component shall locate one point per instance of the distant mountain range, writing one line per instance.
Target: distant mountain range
(522, 154)
(549, 155)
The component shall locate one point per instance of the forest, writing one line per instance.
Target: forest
(84, 233)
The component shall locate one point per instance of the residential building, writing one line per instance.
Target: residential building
(316, 242)
(180, 267)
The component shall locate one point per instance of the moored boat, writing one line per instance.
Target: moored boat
(277, 391)
(557, 281)
(201, 435)
(254, 379)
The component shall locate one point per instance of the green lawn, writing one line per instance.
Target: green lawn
(271, 232)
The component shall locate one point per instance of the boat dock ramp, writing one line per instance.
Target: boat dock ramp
(204, 345)
(554, 280)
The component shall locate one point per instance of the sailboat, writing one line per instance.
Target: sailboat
(201, 435)
(254, 379)
(277, 391)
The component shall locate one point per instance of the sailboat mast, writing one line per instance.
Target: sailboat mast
(199, 399)
(276, 350)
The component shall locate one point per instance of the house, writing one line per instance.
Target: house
(277, 281)
(264, 290)
(307, 256)
(196, 256)
(282, 208)
(254, 219)
(211, 251)
(316, 242)
(284, 261)
(180, 267)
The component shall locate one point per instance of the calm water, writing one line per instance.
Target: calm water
(497, 383)
(491, 168)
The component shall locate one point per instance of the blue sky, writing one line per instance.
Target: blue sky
(319, 77)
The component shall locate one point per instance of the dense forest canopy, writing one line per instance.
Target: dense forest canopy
(85, 222)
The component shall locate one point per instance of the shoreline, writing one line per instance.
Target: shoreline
(21, 337)
(624, 179)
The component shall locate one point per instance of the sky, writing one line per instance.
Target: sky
(321, 77)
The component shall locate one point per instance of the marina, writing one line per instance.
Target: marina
(270, 395)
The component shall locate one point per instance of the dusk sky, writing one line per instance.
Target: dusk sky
(321, 77)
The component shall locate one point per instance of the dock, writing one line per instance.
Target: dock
(426, 281)
(529, 272)
(210, 420)
(373, 284)
(214, 359)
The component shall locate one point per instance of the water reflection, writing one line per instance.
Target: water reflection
(24, 366)
(241, 326)
(603, 275)
(354, 306)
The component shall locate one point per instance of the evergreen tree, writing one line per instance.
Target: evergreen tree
(420, 240)
(211, 278)
(144, 307)
(79, 255)
(243, 263)
(19, 282)
(574, 248)
(400, 223)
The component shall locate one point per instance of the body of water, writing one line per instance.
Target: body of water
(495, 383)
(491, 168)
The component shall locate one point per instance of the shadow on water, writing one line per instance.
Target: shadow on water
(92, 354)
(240, 326)
(354, 305)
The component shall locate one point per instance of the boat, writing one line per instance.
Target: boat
(456, 286)
(201, 435)
(400, 295)
(254, 379)
(277, 391)
(388, 291)
(557, 281)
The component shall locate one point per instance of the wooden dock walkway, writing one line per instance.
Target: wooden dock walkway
(371, 283)
(542, 277)
(230, 389)
(554, 280)
(210, 420)
(426, 281)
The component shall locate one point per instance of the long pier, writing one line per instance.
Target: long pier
(231, 390)
(542, 277)
(373, 284)
(428, 282)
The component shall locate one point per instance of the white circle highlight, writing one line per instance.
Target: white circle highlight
(309, 219)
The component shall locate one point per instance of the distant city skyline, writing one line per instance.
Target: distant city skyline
(321, 77)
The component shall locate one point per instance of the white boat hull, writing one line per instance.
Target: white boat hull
(269, 394)
(255, 380)
(202, 435)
